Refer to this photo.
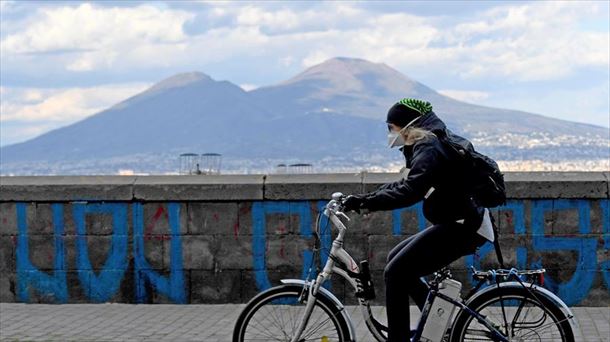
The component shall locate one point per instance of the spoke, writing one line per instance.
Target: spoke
(512, 324)
(271, 317)
(314, 322)
(528, 322)
(318, 338)
(293, 320)
(542, 328)
(505, 325)
(317, 328)
(539, 321)
(265, 319)
(330, 317)
(279, 322)
(264, 333)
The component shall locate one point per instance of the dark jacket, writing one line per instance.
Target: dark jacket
(432, 164)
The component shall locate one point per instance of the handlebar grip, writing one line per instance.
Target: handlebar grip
(338, 196)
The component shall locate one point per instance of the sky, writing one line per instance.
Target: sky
(62, 61)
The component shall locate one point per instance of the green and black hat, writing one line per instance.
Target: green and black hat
(406, 110)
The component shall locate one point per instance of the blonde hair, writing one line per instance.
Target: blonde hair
(413, 134)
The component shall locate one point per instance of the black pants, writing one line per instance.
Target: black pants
(415, 257)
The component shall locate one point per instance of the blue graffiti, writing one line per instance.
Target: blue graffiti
(104, 285)
(518, 215)
(577, 288)
(259, 232)
(172, 286)
(54, 287)
(605, 265)
(101, 287)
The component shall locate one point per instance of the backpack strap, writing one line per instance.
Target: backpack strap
(497, 242)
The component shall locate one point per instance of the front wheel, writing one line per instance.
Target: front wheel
(275, 314)
(517, 314)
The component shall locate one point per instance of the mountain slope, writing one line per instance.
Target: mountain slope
(330, 113)
(361, 88)
(177, 112)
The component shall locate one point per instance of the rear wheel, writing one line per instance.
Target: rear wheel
(275, 314)
(515, 313)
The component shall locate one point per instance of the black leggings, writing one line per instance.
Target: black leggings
(415, 257)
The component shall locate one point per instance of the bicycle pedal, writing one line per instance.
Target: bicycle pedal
(367, 294)
(368, 289)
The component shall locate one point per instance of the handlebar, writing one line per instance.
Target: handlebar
(335, 205)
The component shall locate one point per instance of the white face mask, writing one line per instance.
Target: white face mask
(396, 138)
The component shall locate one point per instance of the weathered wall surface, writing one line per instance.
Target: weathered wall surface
(204, 239)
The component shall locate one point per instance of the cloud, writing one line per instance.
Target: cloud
(254, 16)
(248, 87)
(472, 96)
(503, 45)
(31, 111)
(314, 58)
(11, 133)
(97, 37)
(536, 41)
(508, 41)
(62, 105)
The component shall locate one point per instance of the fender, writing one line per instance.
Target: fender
(330, 296)
(539, 290)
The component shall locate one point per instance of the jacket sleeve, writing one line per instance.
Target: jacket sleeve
(426, 162)
(389, 185)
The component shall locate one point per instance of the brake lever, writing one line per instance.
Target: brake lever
(343, 215)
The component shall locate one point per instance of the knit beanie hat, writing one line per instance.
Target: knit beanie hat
(407, 110)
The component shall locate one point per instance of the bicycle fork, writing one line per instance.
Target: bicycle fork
(311, 302)
(312, 290)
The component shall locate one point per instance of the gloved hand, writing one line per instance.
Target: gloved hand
(353, 202)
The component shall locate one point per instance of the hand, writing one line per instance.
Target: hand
(353, 202)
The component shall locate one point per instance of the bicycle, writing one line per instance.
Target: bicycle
(511, 308)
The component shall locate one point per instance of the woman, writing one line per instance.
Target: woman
(437, 177)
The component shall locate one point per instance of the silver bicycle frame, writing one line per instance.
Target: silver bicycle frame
(337, 253)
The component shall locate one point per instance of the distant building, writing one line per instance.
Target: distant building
(194, 164)
(300, 168)
(281, 168)
(210, 163)
(189, 163)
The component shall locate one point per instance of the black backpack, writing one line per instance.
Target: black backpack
(484, 176)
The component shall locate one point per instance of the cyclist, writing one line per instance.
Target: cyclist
(437, 178)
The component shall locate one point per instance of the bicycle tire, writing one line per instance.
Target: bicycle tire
(261, 305)
(515, 298)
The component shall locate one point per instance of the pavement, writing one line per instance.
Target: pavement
(164, 322)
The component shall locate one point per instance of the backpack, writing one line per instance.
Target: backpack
(484, 176)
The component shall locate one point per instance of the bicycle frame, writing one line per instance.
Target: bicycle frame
(339, 255)
(497, 335)
(342, 263)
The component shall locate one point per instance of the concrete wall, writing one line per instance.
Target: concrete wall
(218, 239)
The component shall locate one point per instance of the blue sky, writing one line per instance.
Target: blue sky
(63, 61)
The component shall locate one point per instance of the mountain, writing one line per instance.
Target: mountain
(173, 114)
(331, 114)
(361, 88)
(342, 85)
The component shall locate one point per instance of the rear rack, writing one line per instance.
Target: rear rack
(534, 276)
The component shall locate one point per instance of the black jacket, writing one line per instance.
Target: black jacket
(432, 164)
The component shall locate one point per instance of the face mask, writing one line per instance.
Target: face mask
(396, 139)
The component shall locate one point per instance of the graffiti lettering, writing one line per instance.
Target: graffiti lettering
(527, 221)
